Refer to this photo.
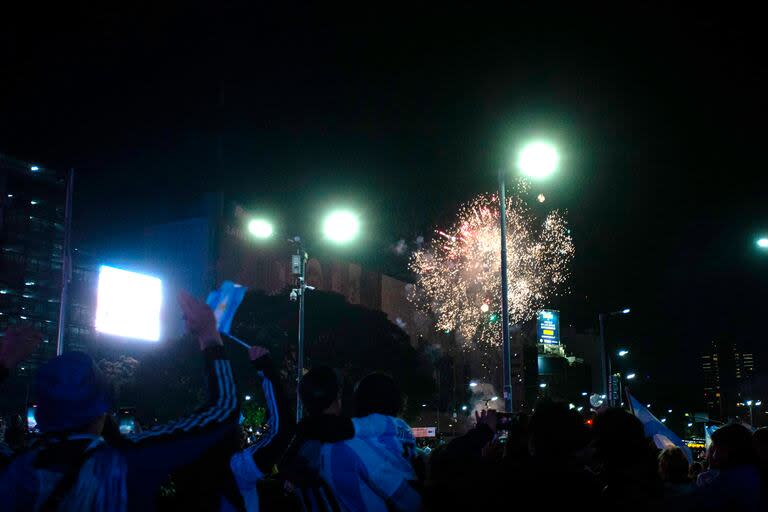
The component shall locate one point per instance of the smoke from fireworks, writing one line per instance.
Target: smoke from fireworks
(458, 274)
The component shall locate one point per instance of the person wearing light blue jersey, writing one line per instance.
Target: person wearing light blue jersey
(374, 470)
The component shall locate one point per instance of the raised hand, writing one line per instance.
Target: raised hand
(18, 344)
(199, 320)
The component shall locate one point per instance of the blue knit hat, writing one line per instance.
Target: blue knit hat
(71, 392)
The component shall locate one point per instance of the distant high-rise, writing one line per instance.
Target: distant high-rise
(32, 204)
(728, 373)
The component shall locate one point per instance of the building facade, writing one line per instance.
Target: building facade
(728, 373)
(32, 208)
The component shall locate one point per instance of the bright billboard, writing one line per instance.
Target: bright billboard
(548, 327)
(128, 304)
(420, 432)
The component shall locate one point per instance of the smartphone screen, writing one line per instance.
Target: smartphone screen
(31, 422)
(127, 425)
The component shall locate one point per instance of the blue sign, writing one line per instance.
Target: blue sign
(548, 327)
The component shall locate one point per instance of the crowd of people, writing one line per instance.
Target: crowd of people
(330, 462)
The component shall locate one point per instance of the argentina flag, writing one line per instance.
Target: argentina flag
(656, 430)
(224, 303)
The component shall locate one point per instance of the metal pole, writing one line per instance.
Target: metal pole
(604, 358)
(505, 359)
(300, 355)
(66, 265)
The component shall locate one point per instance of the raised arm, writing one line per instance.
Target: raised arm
(257, 460)
(155, 453)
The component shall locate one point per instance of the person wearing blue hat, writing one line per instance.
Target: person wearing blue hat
(74, 468)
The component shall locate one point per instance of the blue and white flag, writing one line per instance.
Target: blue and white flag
(224, 303)
(708, 431)
(656, 430)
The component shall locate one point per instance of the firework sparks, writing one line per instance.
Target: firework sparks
(458, 273)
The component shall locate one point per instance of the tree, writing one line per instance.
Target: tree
(344, 336)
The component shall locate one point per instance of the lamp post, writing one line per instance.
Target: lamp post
(605, 356)
(339, 226)
(537, 160)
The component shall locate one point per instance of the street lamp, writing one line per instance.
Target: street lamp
(260, 228)
(762, 243)
(630, 376)
(339, 226)
(623, 352)
(536, 160)
(606, 358)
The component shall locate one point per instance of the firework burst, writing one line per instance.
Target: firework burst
(458, 274)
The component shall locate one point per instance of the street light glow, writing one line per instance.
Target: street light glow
(626, 311)
(630, 376)
(623, 352)
(494, 398)
(758, 403)
(538, 160)
(260, 228)
(762, 243)
(473, 384)
(341, 226)
(748, 402)
(463, 407)
(543, 385)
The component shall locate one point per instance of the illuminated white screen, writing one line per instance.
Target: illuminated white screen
(128, 304)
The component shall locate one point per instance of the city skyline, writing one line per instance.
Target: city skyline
(407, 119)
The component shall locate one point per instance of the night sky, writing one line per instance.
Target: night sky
(406, 113)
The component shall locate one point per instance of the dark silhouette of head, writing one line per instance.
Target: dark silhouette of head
(377, 393)
(618, 435)
(760, 443)
(673, 465)
(73, 395)
(556, 431)
(319, 391)
(731, 446)
(695, 470)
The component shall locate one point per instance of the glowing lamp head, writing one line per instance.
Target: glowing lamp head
(762, 243)
(623, 352)
(473, 384)
(341, 226)
(631, 376)
(260, 228)
(625, 311)
(494, 398)
(543, 385)
(538, 160)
